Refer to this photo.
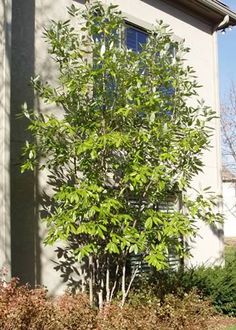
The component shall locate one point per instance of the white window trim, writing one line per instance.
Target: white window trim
(144, 25)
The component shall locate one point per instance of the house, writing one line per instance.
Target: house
(229, 203)
(23, 54)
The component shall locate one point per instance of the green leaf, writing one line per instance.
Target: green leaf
(149, 223)
(112, 248)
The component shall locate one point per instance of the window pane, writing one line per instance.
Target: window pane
(135, 38)
(141, 39)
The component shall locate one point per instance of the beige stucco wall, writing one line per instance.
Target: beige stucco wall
(198, 36)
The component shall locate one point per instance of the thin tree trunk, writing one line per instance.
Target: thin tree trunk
(100, 294)
(100, 299)
(91, 280)
(180, 206)
(108, 280)
(129, 286)
(115, 283)
(123, 282)
(100, 284)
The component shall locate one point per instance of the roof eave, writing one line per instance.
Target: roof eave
(216, 13)
(221, 9)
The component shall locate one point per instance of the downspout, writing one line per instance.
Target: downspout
(223, 24)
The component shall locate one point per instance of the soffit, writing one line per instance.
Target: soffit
(213, 11)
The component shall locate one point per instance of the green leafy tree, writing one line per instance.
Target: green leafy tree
(124, 146)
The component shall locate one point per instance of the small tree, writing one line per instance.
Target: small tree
(128, 140)
(228, 127)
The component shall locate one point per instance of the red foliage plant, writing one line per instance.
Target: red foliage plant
(23, 308)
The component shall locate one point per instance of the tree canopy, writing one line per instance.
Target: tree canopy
(129, 141)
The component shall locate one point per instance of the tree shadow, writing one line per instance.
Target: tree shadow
(24, 226)
(28, 259)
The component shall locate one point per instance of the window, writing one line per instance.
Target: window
(135, 38)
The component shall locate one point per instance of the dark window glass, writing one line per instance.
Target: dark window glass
(135, 38)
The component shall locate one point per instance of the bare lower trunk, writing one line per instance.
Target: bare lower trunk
(83, 274)
(100, 299)
(91, 280)
(99, 283)
(115, 283)
(108, 281)
(126, 292)
(123, 282)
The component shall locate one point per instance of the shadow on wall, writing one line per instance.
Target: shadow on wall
(24, 240)
(217, 231)
(216, 257)
(26, 254)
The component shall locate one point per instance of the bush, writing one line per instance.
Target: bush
(23, 308)
(177, 312)
(218, 284)
(215, 283)
(189, 311)
(129, 317)
(75, 312)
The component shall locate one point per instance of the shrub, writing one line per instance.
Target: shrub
(218, 283)
(177, 312)
(215, 283)
(129, 317)
(187, 312)
(23, 308)
(75, 312)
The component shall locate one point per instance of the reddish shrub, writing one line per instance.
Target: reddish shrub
(75, 312)
(129, 317)
(22, 308)
(187, 312)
